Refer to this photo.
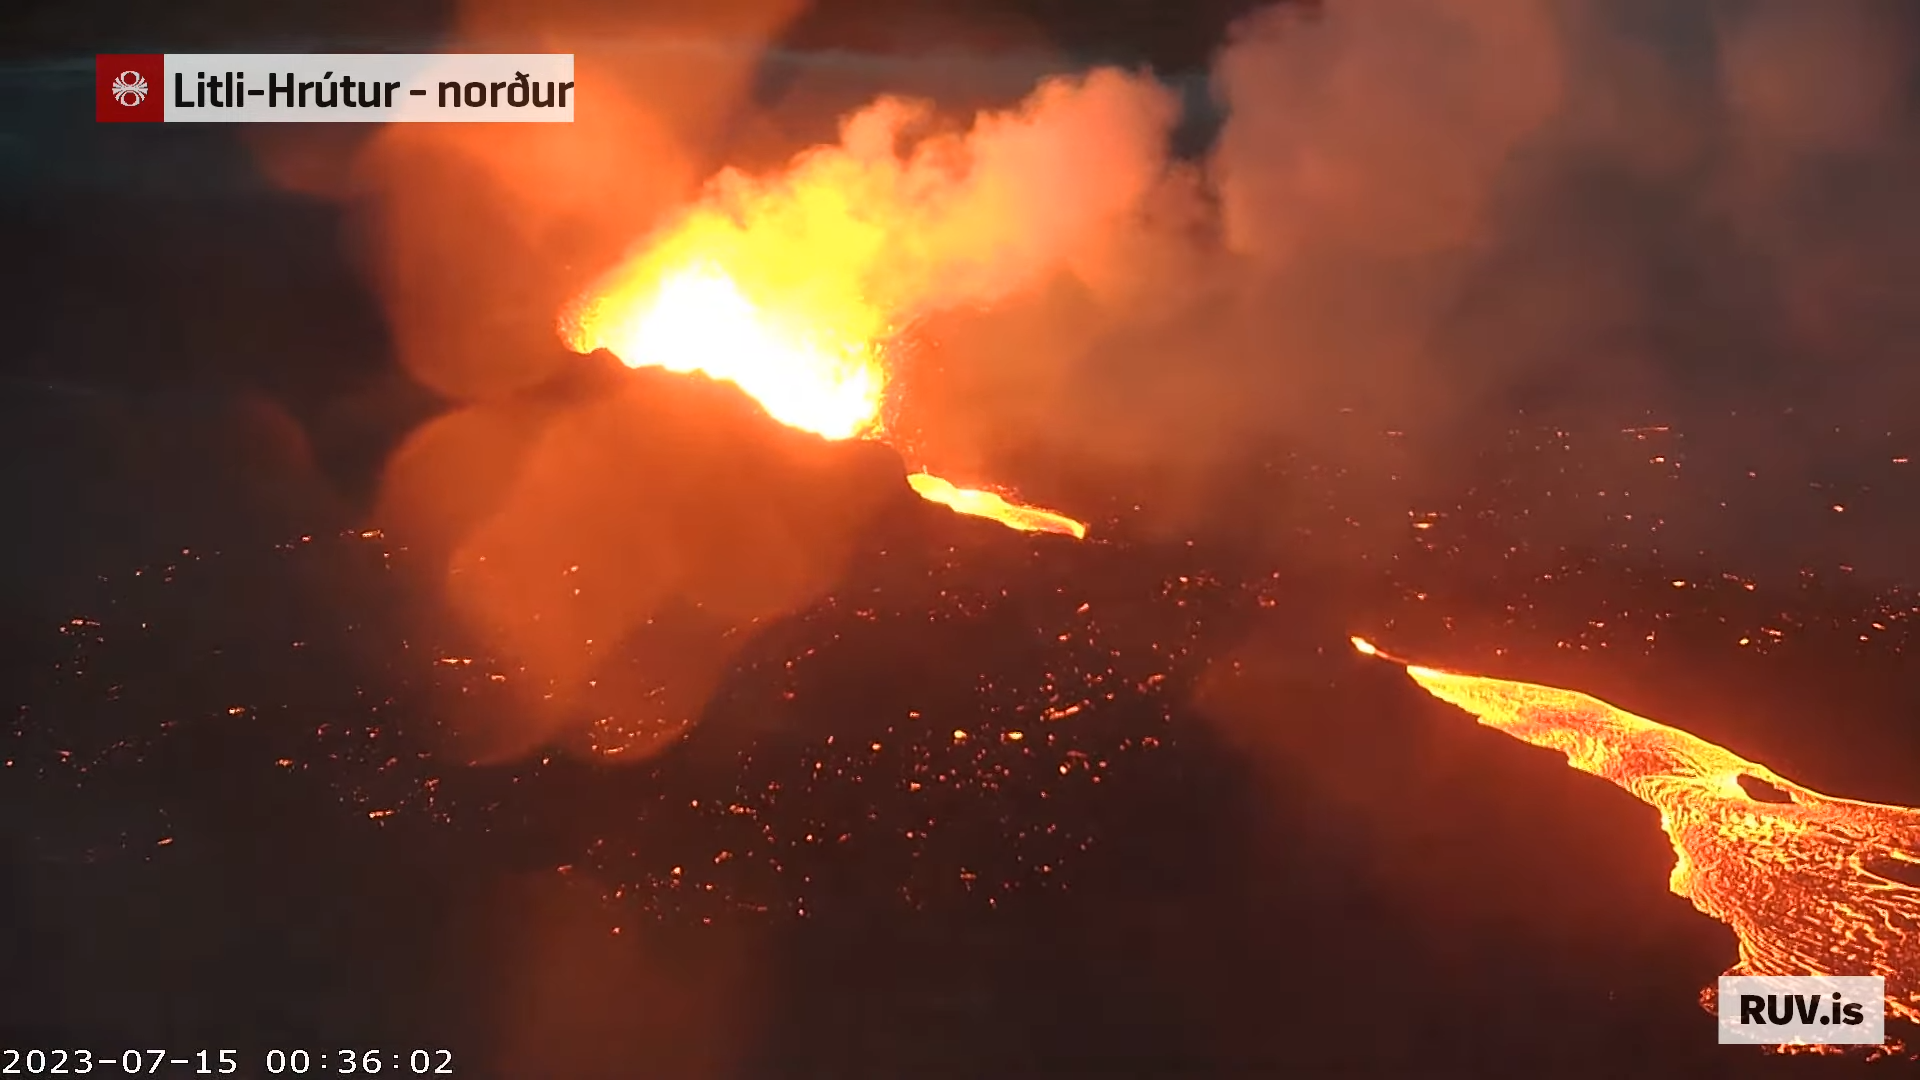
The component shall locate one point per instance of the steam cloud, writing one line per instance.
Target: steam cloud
(1434, 213)
(1423, 212)
(896, 221)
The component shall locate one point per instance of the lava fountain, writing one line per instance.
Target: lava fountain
(1810, 886)
(698, 320)
(831, 382)
(792, 285)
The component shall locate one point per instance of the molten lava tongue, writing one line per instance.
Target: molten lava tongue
(993, 507)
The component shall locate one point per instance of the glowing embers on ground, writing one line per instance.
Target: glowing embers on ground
(697, 319)
(1810, 886)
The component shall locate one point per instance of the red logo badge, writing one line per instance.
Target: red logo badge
(129, 87)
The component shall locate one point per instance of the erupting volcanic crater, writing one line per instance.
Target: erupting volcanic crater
(706, 671)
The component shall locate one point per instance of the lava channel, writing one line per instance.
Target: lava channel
(1807, 885)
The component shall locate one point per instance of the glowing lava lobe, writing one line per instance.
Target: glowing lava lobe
(986, 504)
(1809, 886)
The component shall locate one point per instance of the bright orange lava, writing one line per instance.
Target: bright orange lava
(986, 504)
(1809, 886)
(697, 318)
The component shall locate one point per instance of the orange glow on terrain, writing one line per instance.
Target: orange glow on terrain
(1811, 886)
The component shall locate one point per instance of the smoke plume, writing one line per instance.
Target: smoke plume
(1413, 216)
(1426, 217)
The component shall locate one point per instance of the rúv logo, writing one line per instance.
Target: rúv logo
(129, 88)
(1806, 1009)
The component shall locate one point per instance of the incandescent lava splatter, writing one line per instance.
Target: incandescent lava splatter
(697, 319)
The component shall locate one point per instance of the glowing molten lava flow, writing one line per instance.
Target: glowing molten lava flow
(698, 320)
(1810, 886)
(988, 505)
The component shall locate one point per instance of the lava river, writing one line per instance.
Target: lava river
(1812, 886)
